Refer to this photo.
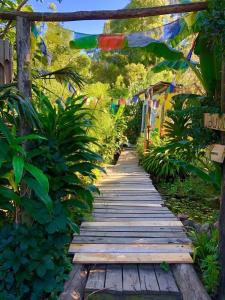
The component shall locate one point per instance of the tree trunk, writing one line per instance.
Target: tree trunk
(222, 206)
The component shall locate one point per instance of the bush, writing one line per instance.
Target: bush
(206, 255)
(33, 263)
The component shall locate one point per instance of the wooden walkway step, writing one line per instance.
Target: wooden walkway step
(131, 234)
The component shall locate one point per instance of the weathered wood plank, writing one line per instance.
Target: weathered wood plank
(96, 278)
(136, 234)
(134, 228)
(189, 283)
(166, 280)
(131, 215)
(114, 278)
(131, 281)
(125, 204)
(139, 210)
(100, 219)
(133, 223)
(74, 287)
(148, 278)
(129, 248)
(125, 210)
(93, 258)
(130, 240)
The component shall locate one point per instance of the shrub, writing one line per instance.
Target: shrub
(33, 262)
(206, 255)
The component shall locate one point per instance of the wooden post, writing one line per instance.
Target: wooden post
(222, 205)
(23, 64)
(5, 61)
(24, 86)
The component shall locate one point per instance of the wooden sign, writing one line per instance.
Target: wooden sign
(214, 121)
(217, 153)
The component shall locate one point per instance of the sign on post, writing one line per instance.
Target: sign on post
(214, 121)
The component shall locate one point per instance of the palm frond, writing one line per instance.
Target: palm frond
(64, 75)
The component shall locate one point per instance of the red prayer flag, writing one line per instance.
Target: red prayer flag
(111, 42)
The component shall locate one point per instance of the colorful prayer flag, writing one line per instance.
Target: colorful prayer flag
(111, 42)
(171, 30)
(139, 39)
(86, 42)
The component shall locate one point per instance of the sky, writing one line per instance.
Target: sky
(93, 27)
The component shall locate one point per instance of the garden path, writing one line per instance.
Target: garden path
(132, 232)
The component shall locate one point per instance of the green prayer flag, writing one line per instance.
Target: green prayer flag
(87, 42)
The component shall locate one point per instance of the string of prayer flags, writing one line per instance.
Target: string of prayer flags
(171, 30)
(135, 39)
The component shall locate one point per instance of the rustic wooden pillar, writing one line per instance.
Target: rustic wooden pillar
(5, 61)
(222, 205)
(23, 64)
(24, 85)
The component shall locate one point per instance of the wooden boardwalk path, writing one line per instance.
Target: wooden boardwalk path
(130, 235)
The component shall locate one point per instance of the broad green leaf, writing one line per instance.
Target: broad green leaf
(39, 192)
(18, 165)
(161, 49)
(9, 194)
(180, 65)
(38, 175)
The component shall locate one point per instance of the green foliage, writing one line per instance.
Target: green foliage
(133, 114)
(65, 155)
(186, 119)
(34, 264)
(165, 266)
(206, 255)
(191, 197)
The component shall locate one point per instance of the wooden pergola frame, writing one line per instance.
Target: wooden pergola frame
(23, 24)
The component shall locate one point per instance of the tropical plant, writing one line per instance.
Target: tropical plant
(206, 254)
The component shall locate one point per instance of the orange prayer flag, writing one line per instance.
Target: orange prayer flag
(111, 42)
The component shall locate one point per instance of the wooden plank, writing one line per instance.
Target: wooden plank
(114, 278)
(133, 223)
(101, 219)
(130, 248)
(148, 278)
(98, 258)
(136, 234)
(130, 240)
(127, 188)
(189, 282)
(131, 281)
(96, 278)
(124, 204)
(139, 210)
(166, 280)
(76, 283)
(132, 215)
(134, 228)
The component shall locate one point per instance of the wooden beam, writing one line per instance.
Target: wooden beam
(222, 204)
(189, 283)
(117, 258)
(106, 14)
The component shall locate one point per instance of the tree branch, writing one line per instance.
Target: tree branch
(106, 14)
(7, 27)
